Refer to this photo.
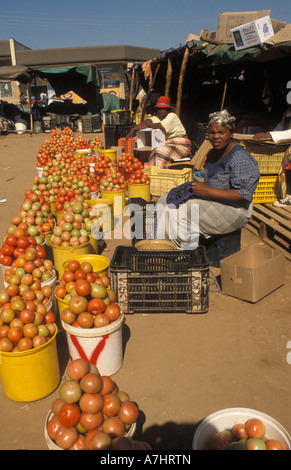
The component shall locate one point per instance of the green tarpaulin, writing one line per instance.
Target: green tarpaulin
(221, 54)
(82, 79)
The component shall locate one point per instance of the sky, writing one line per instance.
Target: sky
(158, 24)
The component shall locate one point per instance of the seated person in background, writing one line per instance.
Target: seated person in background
(177, 145)
(224, 198)
(282, 132)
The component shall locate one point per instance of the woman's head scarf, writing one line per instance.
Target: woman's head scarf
(223, 118)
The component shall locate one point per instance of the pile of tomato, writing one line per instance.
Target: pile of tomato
(91, 413)
(129, 163)
(91, 302)
(250, 435)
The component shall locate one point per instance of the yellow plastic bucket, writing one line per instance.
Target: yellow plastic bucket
(99, 263)
(118, 198)
(53, 208)
(93, 243)
(139, 190)
(62, 253)
(30, 375)
(62, 303)
(103, 211)
(111, 153)
(59, 214)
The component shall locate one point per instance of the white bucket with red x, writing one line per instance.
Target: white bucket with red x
(101, 347)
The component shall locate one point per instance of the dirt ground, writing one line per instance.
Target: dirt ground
(179, 368)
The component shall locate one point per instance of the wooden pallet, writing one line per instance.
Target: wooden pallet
(273, 224)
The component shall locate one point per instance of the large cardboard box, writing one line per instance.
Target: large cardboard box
(253, 33)
(231, 20)
(150, 139)
(252, 273)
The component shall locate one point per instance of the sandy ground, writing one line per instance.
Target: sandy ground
(179, 368)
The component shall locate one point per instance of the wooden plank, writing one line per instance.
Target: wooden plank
(274, 225)
(269, 242)
(200, 154)
(274, 214)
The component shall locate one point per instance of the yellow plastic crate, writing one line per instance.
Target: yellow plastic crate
(268, 190)
(163, 180)
(269, 157)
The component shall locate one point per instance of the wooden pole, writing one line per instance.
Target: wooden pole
(168, 78)
(181, 80)
(149, 92)
(131, 88)
(224, 93)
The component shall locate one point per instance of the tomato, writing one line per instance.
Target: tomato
(85, 320)
(273, 444)
(11, 240)
(239, 431)
(101, 320)
(83, 287)
(69, 414)
(70, 391)
(255, 428)
(49, 317)
(91, 383)
(107, 385)
(111, 405)
(66, 436)
(15, 334)
(112, 311)
(96, 306)
(90, 421)
(100, 441)
(128, 412)
(91, 402)
(52, 427)
(113, 426)
(77, 368)
(254, 443)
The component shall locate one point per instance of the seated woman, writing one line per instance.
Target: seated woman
(177, 144)
(223, 202)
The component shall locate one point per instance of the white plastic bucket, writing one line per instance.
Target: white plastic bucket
(225, 419)
(52, 445)
(20, 127)
(101, 347)
(50, 282)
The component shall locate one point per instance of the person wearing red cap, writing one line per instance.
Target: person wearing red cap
(177, 145)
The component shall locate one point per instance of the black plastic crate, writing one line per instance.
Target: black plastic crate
(96, 122)
(143, 219)
(122, 131)
(86, 124)
(124, 118)
(109, 136)
(160, 281)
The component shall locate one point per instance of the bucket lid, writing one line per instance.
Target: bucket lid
(155, 245)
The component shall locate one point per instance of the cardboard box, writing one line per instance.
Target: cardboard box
(253, 33)
(150, 138)
(252, 273)
(231, 20)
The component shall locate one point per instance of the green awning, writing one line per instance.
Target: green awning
(82, 79)
(221, 54)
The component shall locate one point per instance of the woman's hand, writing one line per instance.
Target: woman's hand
(200, 188)
(227, 195)
(130, 134)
